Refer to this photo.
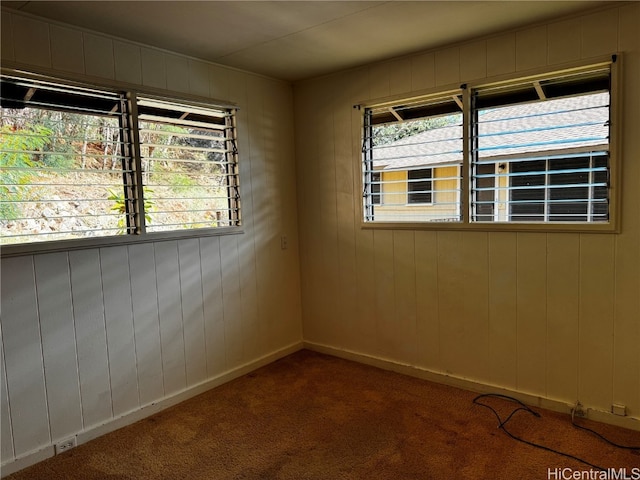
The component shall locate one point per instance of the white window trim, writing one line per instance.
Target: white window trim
(20, 249)
(615, 61)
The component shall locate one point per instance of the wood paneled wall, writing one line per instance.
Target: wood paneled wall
(553, 315)
(89, 336)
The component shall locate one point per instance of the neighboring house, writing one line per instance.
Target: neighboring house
(419, 175)
(532, 161)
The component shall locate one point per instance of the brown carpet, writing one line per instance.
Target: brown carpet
(312, 416)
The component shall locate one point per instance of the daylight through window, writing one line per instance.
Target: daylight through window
(73, 165)
(541, 151)
(538, 152)
(190, 177)
(413, 160)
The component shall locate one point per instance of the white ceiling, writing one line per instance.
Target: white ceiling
(293, 40)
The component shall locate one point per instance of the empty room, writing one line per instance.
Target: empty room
(320, 240)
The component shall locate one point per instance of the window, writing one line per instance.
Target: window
(63, 161)
(532, 151)
(78, 163)
(541, 151)
(190, 177)
(559, 189)
(412, 159)
(419, 185)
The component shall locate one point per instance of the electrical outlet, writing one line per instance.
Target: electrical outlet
(65, 445)
(284, 242)
(618, 409)
(578, 410)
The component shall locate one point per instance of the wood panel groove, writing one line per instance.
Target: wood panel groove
(120, 330)
(22, 348)
(7, 446)
(170, 317)
(504, 308)
(92, 348)
(557, 317)
(192, 313)
(146, 331)
(55, 312)
(596, 316)
(212, 305)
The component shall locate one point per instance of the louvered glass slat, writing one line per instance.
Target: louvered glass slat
(189, 170)
(412, 168)
(61, 174)
(544, 161)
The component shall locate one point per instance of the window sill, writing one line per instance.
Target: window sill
(493, 227)
(111, 241)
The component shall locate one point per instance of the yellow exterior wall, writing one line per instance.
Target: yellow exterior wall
(445, 196)
(394, 196)
(503, 195)
(394, 192)
(554, 315)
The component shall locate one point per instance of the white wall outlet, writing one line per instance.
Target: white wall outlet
(65, 445)
(284, 242)
(618, 409)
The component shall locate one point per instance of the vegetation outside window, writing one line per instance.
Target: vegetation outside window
(189, 169)
(64, 161)
(519, 153)
(82, 162)
(412, 161)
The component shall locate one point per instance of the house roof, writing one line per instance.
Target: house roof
(554, 126)
(438, 146)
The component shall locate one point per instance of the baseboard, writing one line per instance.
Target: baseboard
(26, 461)
(632, 423)
(96, 431)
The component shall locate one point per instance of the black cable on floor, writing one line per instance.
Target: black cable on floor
(587, 429)
(525, 408)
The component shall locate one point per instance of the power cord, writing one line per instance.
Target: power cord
(524, 408)
(586, 429)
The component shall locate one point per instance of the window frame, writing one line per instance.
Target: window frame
(614, 62)
(438, 105)
(135, 233)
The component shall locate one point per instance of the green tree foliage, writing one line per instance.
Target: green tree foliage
(121, 208)
(18, 150)
(51, 158)
(60, 153)
(391, 132)
(184, 173)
